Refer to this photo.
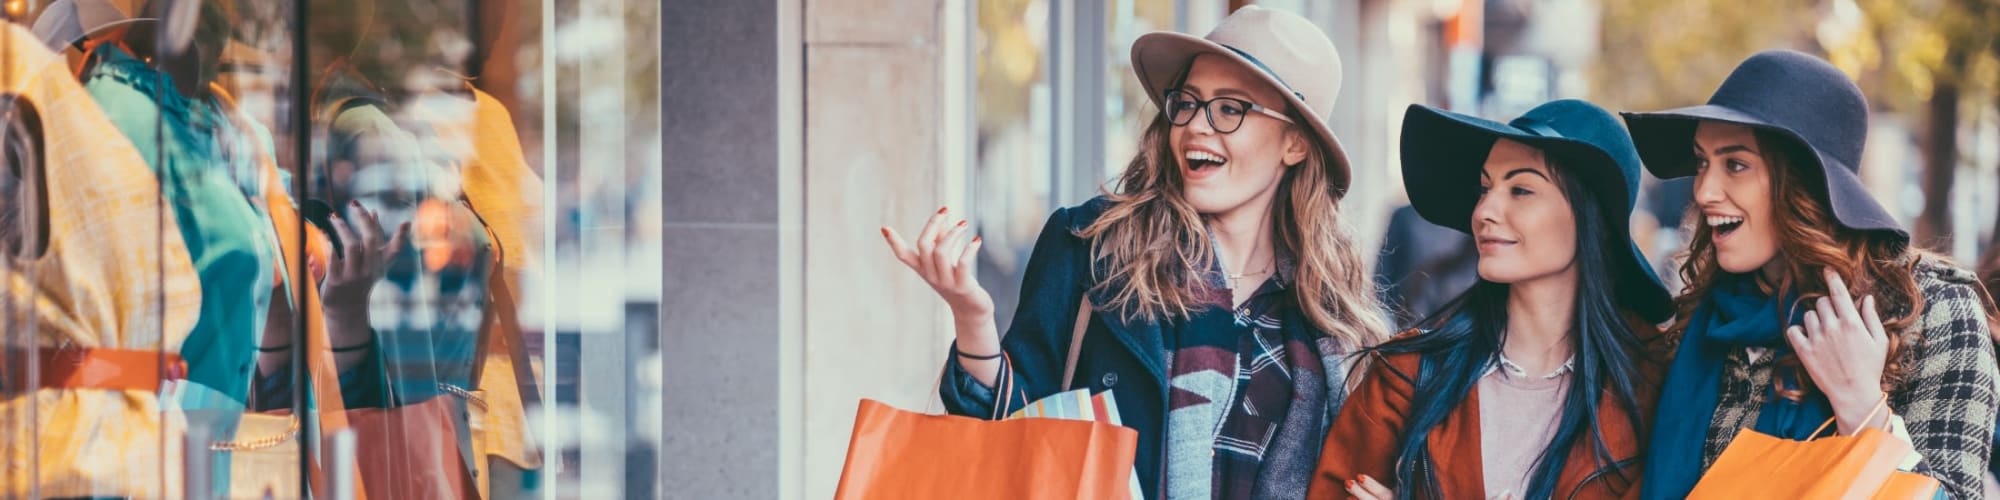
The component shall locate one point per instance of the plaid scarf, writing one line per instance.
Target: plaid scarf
(1236, 380)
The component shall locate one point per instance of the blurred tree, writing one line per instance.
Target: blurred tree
(1660, 54)
(1925, 58)
(1940, 58)
(1009, 62)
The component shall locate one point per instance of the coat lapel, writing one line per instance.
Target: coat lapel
(1455, 447)
(1144, 338)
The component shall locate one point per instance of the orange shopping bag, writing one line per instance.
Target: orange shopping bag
(1861, 466)
(898, 454)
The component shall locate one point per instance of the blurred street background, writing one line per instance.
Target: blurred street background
(794, 129)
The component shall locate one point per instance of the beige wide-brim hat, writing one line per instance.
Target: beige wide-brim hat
(66, 22)
(1283, 49)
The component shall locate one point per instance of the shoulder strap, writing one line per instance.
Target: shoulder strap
(500, 340)
(1076, 341)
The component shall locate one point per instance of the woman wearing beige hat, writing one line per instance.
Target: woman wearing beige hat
(1213, 286)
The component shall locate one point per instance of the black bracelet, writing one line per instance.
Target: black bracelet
(954, 350)
(285, 347)
(364, 345)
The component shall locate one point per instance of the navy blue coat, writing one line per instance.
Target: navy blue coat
(1127, 356)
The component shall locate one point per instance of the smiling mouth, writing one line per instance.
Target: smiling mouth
(1199, 161)
(1489, 244)
(1724, 225)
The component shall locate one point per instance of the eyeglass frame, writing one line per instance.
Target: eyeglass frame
(1202, 105)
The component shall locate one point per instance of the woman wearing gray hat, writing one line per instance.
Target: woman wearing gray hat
(1804, 299)
(1214, 285)
(1536, 381)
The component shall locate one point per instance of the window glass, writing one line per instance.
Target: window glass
(438, 208)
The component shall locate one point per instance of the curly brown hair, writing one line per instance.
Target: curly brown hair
(1809, 241)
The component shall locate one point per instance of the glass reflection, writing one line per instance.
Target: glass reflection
(168, 287)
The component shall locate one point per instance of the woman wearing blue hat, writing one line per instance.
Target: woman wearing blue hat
(1213, 288)
(1534, 382)
(1804, 300)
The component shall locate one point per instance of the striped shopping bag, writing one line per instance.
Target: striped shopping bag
(1081, 405)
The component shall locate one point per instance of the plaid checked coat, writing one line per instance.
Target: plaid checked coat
(1947, 396)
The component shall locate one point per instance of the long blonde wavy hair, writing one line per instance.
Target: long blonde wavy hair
(1152, 246)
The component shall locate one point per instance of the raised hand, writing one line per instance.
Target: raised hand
(364, 259)
(945, 260)
(1843, 347)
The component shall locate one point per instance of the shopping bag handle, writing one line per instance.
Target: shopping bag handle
(1003, 399)
(1002, 394)
(1076, 341)
(1879, 405)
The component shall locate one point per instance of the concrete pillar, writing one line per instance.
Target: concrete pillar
(885, 128)
(794, 130)
(719, 312)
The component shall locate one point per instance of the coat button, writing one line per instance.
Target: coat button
(1109, 379)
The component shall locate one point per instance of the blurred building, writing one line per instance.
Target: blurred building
(799, 128)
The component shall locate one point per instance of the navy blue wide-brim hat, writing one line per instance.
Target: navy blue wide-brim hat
(1797, 96)
(1444, 153)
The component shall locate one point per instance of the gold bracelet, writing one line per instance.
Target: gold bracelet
(466, 395)
(291, 431)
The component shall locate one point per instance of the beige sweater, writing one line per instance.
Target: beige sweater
(1517, 418)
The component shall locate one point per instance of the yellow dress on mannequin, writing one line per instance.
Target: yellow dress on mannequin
(115, 277)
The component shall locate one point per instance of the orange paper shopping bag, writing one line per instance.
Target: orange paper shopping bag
(897, 454)
(1857, 467)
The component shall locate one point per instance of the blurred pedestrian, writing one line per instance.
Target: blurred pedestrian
(1423, 265)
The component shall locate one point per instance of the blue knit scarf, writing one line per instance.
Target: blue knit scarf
(1734, 316)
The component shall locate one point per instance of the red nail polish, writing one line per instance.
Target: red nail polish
(1350, 484)
(885, 232)
(975, 239)
(941, 210)
(961, 223)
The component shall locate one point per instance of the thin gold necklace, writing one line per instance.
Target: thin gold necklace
(1268, 266)
(1234, 278)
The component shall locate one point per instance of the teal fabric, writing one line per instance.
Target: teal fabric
(207, 174)
(209, 178)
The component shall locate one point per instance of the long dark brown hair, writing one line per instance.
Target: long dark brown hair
(1153, 246)
(1466, 336)
(1811, 240)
